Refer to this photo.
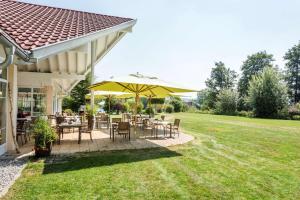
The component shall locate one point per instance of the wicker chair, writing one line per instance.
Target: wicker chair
(124, 129)
(147, 126)
(85, 129)
(102, 119)
(174, 128)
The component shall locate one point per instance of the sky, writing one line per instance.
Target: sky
(179, 40)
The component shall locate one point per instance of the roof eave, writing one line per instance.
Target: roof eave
(52, 49)
(7, 41)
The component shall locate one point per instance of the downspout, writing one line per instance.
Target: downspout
(18, 51)
(10, 51)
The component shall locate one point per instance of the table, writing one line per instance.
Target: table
(62, 126)
(157, 123)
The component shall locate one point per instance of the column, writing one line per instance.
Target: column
(12, 108)
(49, 100)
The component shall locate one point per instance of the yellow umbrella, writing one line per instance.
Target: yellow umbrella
(139, 85)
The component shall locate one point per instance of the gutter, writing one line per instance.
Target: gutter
(4, 39)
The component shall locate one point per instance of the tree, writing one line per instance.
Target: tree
(77, 95)
(253, 65)
(227, 102)
(292, 72)
(267, 93)
(202, 99)
(220, 78)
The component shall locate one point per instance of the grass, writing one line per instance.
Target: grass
(231, 158)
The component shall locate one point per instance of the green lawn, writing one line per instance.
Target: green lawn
(231, 158)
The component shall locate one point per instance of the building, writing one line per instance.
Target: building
(44, 53)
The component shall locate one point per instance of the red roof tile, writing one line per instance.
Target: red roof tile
(32, 26)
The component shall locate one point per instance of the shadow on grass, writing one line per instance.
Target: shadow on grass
(97, 159)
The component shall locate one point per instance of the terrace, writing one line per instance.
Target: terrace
(102, 142)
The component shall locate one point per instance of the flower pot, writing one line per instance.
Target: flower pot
(90, 122)
(43, 152)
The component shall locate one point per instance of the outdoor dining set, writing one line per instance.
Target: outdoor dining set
(137, 123)
(124, 126)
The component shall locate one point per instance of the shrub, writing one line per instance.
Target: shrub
(159, 108)
(245, 113)
(185, 107)
(125, 107)
(177, 104)
(68, 112)
(150, 111)
(192, 109)
(169, 108)
(43, 133)
(267, 94)
(118, 107)
(227, 103)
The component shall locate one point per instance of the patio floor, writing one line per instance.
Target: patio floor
(102, 142)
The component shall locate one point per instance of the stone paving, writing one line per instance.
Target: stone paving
(102, 142)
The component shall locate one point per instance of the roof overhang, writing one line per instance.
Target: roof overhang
(49, 50)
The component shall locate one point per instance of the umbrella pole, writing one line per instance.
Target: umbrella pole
(109, 105)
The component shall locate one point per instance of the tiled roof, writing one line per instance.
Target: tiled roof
(32, 26)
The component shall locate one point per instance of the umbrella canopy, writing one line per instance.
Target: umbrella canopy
(140, 85)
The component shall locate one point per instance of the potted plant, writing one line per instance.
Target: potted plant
(44, 135)
(90, 113)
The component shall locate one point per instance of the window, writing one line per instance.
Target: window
(31, 101)
(2, 109)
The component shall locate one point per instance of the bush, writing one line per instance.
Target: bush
(125, 107)
(159, 108)
(245, 113)
(267, 94)
(69, 112)
(177, 104)
(192, 109)
(169, 108)
(185, 107)
(150, 111)
(43, 133)
(227, 103)
(131, 104)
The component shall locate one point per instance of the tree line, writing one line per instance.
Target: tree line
(262, 89)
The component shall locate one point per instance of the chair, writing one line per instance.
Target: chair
(21, 132)
(102, 119)
(124, 129)
(85, 129)
(59, 120)
(147, 126)
(174, 127)
(137, 121)
(126, 117)
(116, 120)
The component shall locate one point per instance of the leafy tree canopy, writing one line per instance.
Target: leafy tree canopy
(77, 95)
(220, 78)
(253, 65)
(292, 72)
